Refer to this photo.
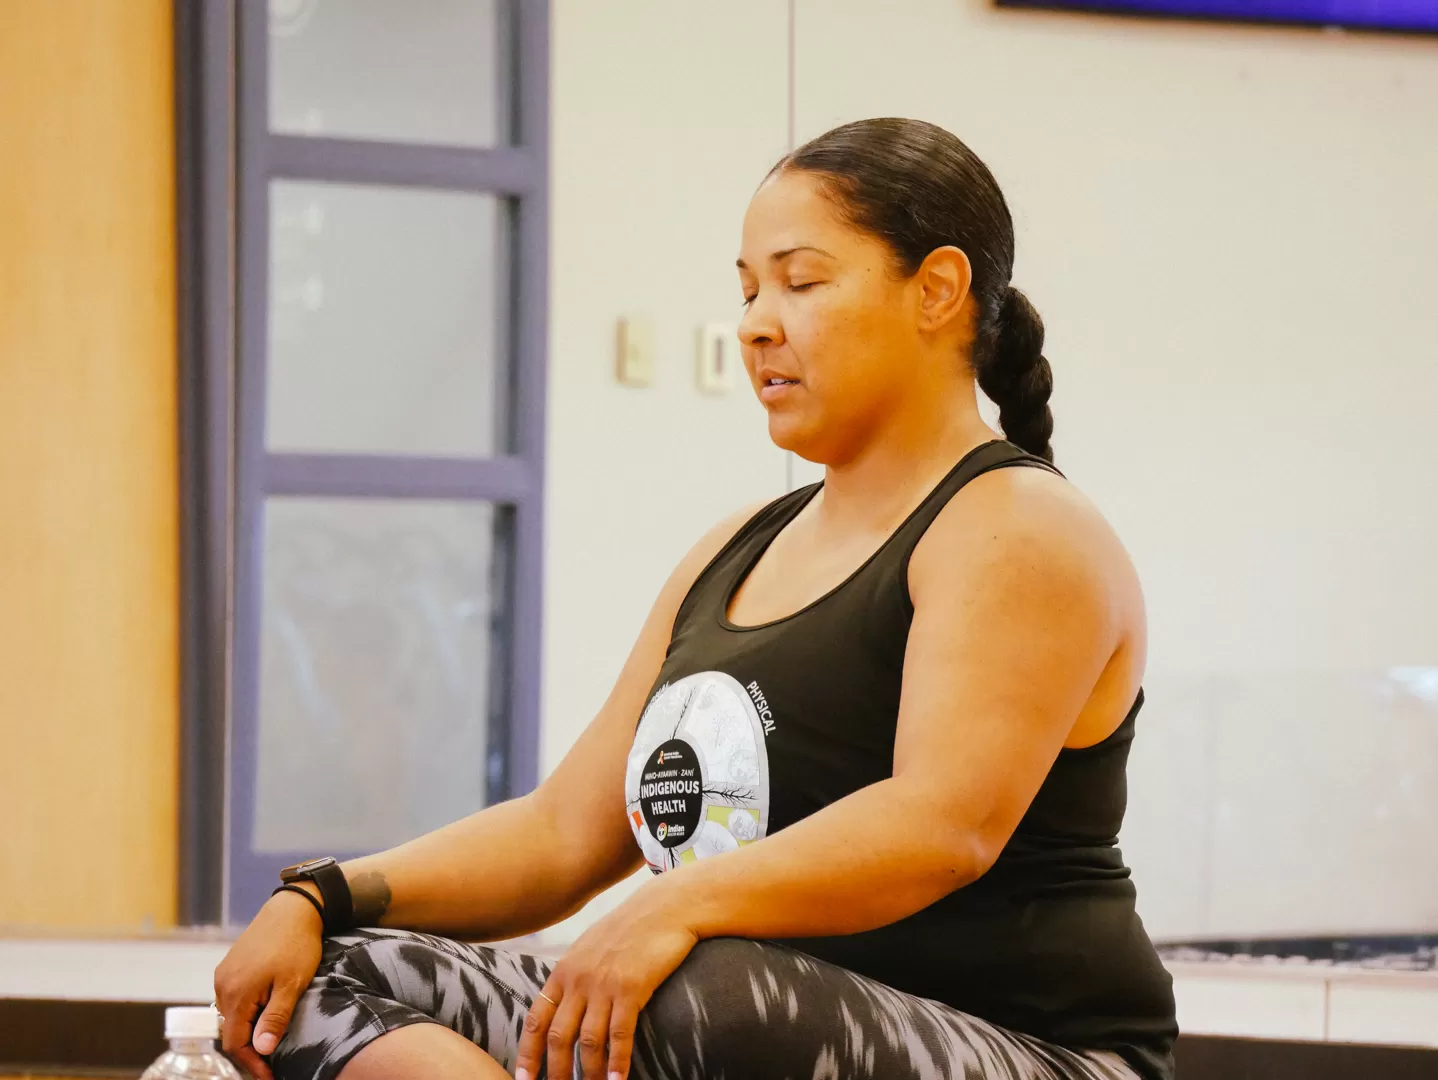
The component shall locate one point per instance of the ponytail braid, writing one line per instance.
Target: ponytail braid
(1016, 376)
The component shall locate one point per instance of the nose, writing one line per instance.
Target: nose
(760, 325)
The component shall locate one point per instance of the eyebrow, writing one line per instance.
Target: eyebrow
(780, 256)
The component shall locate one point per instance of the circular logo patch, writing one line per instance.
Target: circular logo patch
(671, 790)
(697, 781)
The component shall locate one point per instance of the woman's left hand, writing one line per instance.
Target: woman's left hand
(600, 985)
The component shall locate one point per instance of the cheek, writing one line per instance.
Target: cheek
(848, 350)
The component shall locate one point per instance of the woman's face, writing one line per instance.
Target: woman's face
(833, 335)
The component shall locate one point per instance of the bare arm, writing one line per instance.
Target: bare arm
(513, 868)
(525, 864)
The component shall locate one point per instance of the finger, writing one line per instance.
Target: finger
(235, 1033)
(563, 1031)
(530, 1060)
(239, 1014)
(593, 1037)
(252, 1063)
(270, 1027)
(623, 1022)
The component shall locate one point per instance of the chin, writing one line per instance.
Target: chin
(793, 434)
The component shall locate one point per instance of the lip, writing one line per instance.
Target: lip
(778, 392)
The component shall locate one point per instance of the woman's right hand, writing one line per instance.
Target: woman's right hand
(264, 974)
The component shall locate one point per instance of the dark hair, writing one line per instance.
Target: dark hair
(917, 187)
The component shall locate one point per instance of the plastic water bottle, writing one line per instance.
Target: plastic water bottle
(193, 1054)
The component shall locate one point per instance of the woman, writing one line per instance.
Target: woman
(916, 683)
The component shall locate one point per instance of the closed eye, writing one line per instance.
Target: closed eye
(801, 287)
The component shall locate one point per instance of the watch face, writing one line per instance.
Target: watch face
(304, 869)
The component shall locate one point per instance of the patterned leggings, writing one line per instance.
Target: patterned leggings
(817, 1020)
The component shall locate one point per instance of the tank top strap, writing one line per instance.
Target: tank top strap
(716, 580)
(719, 579)
(985, 458)
(760, 530)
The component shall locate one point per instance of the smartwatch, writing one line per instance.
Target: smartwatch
(334, 890)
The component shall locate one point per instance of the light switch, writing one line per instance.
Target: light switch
(635, 365)
(718, 360)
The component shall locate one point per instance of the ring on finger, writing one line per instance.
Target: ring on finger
(549, 999)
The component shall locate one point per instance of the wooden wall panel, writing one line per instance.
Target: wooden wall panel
(88, 478)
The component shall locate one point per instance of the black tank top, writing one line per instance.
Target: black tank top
(750, 729)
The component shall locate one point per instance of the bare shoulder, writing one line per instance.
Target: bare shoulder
(1022, 573)
(1031, 523)
(1028, 503)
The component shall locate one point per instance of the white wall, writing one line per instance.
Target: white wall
(664, 120)
(1231, 233)
(1233, 236)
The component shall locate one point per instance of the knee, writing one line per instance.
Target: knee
(338, 1008)
(396, 963)
(363, 959)
(716, 998)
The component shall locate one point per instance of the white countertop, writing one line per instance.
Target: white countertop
(1313, 1002)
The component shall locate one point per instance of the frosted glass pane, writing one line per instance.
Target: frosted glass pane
(432, 72)
(1286, 803)
(374, 671)
(385, 326)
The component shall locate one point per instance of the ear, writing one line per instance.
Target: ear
(943, 279)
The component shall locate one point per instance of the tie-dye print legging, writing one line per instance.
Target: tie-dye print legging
(735, 1009)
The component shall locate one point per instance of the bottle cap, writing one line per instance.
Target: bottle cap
(192, 1022)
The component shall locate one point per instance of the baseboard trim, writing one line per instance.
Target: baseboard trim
(1209, 1057)
(80, 1037)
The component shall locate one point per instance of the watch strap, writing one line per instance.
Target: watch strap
(334, 891)
(302, 892)
(339, 904)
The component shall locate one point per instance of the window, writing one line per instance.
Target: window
(389, 241)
